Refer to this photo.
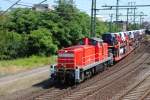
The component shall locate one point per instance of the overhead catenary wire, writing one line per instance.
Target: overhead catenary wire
(126, 6)
(18, 3)
(24, 5)
(42, 1)
(10, 7)
(115, 9)
(9, 1)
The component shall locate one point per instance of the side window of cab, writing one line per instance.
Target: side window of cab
(81, 42)
(92, 42)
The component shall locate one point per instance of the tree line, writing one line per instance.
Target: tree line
(25, 32)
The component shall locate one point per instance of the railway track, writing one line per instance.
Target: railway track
(138, 91)
(146, 96)
(101, 85)
(57, 94)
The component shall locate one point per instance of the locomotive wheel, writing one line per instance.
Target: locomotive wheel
(90, 73)
(82, 76)
(93, 71)
(104, 66)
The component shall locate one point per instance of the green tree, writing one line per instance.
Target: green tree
(40, 42)
(23, 20)
(10, 45)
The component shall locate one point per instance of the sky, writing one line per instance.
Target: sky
(85, 5)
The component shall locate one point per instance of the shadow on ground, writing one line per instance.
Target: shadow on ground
(45, 84)
(49, 83)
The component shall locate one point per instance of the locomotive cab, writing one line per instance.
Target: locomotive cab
(92, 41)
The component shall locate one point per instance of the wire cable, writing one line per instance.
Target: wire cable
(11, 7)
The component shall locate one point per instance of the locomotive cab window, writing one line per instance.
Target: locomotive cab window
(81, 42)
(92, 42)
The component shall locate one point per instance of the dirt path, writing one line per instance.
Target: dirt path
(23, 80)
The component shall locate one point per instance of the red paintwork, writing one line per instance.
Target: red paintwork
(98, 52)
(105, 50)
(127, 37)
(117, 58)
(118, 38)
(83, 55)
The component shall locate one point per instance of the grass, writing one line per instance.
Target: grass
(13, 66)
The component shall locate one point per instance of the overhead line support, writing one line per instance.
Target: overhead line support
(93, 18)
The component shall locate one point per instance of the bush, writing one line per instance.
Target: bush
(40, 42)
(11, 45)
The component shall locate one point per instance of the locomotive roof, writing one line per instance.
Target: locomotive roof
(97, 39)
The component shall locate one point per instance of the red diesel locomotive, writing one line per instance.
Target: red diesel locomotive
(77, 63)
